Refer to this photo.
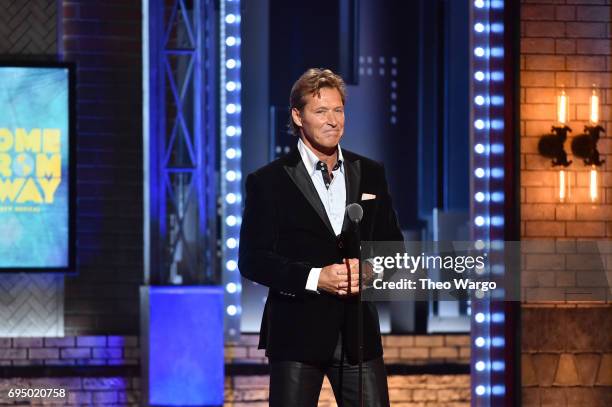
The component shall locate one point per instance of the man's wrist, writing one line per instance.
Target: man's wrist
(312, 282)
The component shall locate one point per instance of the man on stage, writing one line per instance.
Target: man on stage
(297, 240)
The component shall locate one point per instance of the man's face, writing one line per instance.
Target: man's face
(321, 120)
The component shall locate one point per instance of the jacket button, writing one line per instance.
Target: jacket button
(340, 244)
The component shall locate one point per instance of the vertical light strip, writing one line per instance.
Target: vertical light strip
(487, 205)
(480, 97)
(146, 143)
(230, 106)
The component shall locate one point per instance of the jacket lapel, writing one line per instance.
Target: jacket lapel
(352, 175)
(298, 174)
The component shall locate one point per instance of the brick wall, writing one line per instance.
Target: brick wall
(110, 350)
(566, 346)
(92, 370)
(104, 40)
(564, 45)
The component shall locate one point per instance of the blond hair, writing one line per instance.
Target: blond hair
(310, 83)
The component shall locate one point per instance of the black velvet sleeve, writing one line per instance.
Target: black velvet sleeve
(259, 259)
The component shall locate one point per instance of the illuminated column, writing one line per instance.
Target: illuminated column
(487, 191)
(231, 199)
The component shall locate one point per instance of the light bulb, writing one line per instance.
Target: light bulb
(562, 186)
(562, 107)
(594, 106)
(593, 184)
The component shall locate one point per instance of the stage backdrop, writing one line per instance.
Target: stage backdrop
(35, 170)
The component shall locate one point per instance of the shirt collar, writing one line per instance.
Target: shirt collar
(310, 160)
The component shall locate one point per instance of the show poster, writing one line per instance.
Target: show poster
(34, 167)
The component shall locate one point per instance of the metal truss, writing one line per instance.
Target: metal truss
(179, 142)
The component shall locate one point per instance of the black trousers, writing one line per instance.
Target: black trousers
(298, 384)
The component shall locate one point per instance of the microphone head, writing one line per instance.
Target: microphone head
(354, 212)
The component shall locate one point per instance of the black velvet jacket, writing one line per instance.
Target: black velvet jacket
(285, 232)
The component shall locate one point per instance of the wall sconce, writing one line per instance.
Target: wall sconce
(551, 145)
(585, 146)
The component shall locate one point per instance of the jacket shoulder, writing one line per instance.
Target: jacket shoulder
(366, 162)
(272, 169)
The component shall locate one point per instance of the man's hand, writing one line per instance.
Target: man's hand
(335, 278)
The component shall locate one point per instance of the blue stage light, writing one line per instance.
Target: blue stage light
(232, 310)
(497, 52)
(498, 342)
(497, 172)
(497, 197)
(497, 317)
(498, 390)
(479, 220)
(497, 148)
(497, 124)
(231, 220)
(497, 100)
(497, 76)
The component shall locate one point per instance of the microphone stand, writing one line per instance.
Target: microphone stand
(355, 213)
(359, 315)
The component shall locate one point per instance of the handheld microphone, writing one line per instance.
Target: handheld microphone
(354, 212)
